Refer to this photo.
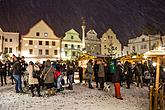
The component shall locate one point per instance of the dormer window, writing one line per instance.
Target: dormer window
(46, 34)
(37, 34)
(143, 39)
(72, 37)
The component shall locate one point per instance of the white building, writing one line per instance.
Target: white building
(144, 43)
(71, 45)
(40, 43)
(125, 51)
(9, 42)
(110, 45)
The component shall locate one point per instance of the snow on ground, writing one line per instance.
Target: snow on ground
(81, 98)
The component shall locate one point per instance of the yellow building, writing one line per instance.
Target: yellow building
(110, 45)
(40, 43)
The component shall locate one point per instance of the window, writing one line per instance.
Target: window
(55, 52)
(40, 52)
(40, 42)
(115, 48)
(30, 42)
(143, 39)
(30, 51)
(133, 48)
(53, 43)
(46, 42)
(6, 50)
(73, 53)
(66, 54)
(10, 50)
(46, 34)
(72, 37)
(78, 46)
(46, 52)
(37, 34)
(5, 40)
(72, 46)
(11, 40)
(66, 45)
(112, 48)
(92, 48)
(145, 47)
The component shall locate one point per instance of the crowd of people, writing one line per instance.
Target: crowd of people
(50, 74)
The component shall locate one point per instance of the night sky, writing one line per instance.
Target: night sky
(127, 18)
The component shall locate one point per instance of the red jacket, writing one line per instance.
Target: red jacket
(57, 74)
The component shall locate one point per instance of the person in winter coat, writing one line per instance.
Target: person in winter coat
(58, 77)
(33, 82)
(89, 71)
(116, 80)
(80, 70)
(101, 74)
(48, 77)
(17, 74)
(3, 73)
(128, 73)
(138, 73)
(95, 69)
(70, 72)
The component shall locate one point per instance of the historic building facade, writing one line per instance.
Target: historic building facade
(144, 43)
(9, 42)
(92, 43)
(71, 45)
(40, 43)
(110, 45)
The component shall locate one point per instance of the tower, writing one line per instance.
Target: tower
(83, 34)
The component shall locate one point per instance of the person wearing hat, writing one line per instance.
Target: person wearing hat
(33, 82)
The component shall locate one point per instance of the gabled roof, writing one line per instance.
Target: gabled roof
(72, 31)
(1, 30)
(92, 31)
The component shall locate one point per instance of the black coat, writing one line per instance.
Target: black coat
(116, 76)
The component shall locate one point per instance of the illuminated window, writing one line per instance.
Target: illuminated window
(40, 42)
(53, 43)
(40, 51)
(30, 51)
(30, 42)
(55, 52)
(11, 40)
(46, 42)
(46, 52)
(46, 34)
(37, 34)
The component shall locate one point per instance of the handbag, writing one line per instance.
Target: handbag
(43, 76)
(35, 74)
